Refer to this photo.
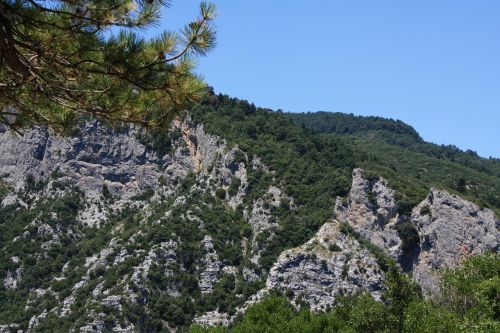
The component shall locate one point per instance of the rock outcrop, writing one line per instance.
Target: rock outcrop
(451, 229)
(98, 156)
(371, 210)
(212, 266)
(12, 279)
(329, 265)
(95, 156)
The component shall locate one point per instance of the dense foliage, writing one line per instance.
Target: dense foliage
(469, 303)
(57, 213)
(393, 132)
(398, 153)
(316, 165)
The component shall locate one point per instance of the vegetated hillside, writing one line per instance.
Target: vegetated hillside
(398, 153)
(127, 230)
(404, 309)
(381, 146)
(394, 132)
(132, 230)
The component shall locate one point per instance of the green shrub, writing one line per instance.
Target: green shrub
(239, 157)
(106, 193)
(220, 193)
(33, 185)
(144, 195)
(334, 247)
(234, 186)
(409, 236)
(425, 210)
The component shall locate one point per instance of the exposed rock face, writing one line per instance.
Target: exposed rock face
(98, 156)
(204, 147)
(212, 266)
(109, 172)
(327, 266)
(371, 210)
(451, 229)
(12, 279)
(10, 328)
(213, 318)
(35, 320)
(95, 156)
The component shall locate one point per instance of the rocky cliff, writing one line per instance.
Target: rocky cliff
(370, 209)
(449, 228)
(330, 265)
(108, 184)
(105, 231)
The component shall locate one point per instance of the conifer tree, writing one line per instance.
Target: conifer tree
(61, 61)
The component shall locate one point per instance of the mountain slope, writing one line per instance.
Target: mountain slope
(298, 150)
(393, 132)
(126, 230)
(395, 149)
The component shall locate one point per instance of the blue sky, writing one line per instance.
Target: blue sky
(433, 64)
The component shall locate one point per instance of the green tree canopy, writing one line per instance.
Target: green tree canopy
(63, 59)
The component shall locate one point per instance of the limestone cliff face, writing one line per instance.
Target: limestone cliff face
(371, 210)
(451, 229)
(330, 265)
(116, 170)
(333, 263)
(95, 156)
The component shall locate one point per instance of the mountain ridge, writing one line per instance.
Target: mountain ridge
(393, 132)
